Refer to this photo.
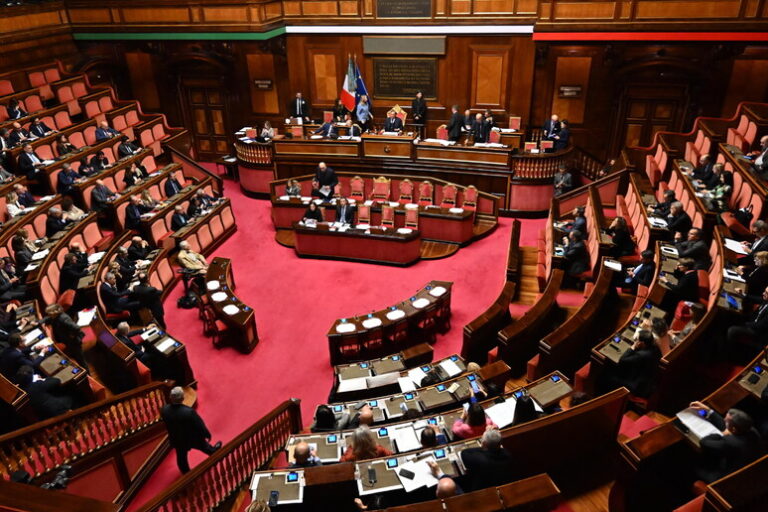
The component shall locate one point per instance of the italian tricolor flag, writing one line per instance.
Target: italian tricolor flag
(348, 92)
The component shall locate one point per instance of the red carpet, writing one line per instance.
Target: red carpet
(295, 301)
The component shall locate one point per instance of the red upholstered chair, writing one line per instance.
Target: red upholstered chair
(132, 118)
(45, 152)
(327, 116)
(442, 132)
(412, 218)
(62, 120)
(406, 191)
(363, 214)
(403, 116)
(426, 193)
(449, 195)
(6, 87)
(494, 137)
(470, 198)
(514, 122)
(357, 188)
(528, 146)
(387, 216)
(33, 103)
(92, 109)
(381, 189)
(682, 316)
(66, 299)
(213, 328)
(546, 144)
(79, 89)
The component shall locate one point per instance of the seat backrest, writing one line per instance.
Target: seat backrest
(92, 109)
(77, 139)
(89, 133)
(426, 191)
(131, 117)
(52, 75)
(36, 78)
(363, 214)
(33, 103)
(514, 122)
(105, 103)
(79, 89)
(62, 120)
(6, 87)
(442, 133)
(406, 189)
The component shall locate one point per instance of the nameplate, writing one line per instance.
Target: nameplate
(403, 8)
(404, 77)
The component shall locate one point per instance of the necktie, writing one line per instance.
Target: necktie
(34, 158)
(298, 108)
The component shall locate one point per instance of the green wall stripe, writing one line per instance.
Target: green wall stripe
(178, 36)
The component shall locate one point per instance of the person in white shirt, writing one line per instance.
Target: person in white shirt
(12, 204)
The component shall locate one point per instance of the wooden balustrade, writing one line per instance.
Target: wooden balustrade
(45, 446)
(587, 165)
(192, 169)
(257, 153)
(541, 166)
(222, 474)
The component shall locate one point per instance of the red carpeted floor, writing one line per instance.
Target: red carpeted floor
(295, 301)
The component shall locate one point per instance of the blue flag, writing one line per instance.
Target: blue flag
(360, 88)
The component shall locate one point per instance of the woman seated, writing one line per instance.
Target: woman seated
(472, 423)
(99, 161)
(696, 312)
(136, 174)
(623, 245)
(63, 146)
(85, 168)
(361, 445)
(312, 212)
(267, 132)
(12, 204)
(147, 201)
(69, 211)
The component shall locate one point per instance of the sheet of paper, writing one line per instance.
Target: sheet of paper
(735, 246)
(40, 255)
(451, 368)
(32, 336)
(406, 384)
(93, 258)
(416, 375)
(669, 250)
(352, 385)
(166, 344)
(730, 274)
(502, 414)
(85, 317)
(385, 379)
(31, 267)
(406, 438)
(423, 475)
(613, 265)
(699, 426)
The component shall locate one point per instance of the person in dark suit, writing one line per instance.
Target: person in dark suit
(392, 123)
(552, 127)
(5, 146)
(19, 135)
(55, 222)
(637, 367)
(756, 279)
(39, 129)
(149, 297)
(29, 163)
(5, 175)
(99, 162)
(723, 454)
(136, 174)
(694, 247)
(22, 254)
(327, 130)
(105, 132)
(686, 288)
(487, 466)
(101, 195)
(186, 429)
(145, 351)
(14, 356)
(714, 179)
(206, 201)
(760, 231)
(14, 110)
(126, 265)
(641, 274)
(703, 172)
(326, 180)
(85, 168)
(179, 219)
(66, 179)
(195, 207)
(579, 222)
(467, 121)
(678, 221)
(172, 186)
(11, 287)
(754, 331)
(299, 107)
(24, 196)
(563, 180)
(623, 245)
(46, 396)
(663, 208)
(133, 212)
(563, 137)
(63, 146)
(71, 273)
(455, 124)
(576, 255)
(127, 148)
(114, 300)
(344, 212)
(312, 213)
(478, 129)
(419, 109)
(139, 249)
(339, 111)
(66, 331)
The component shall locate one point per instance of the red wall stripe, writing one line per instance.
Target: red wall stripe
(650, 36)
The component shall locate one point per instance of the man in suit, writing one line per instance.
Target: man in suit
(14, 356)
(133, 212)
(678, 221)
(66, 179)
(754, 331)
(114, 300)
(5, 146)
(760, 162)
(552, 127)
(760, 231)
(326, 180)
(5, 175)
(299, 107)
(643, 273)
(23, 194)
(205, 200)
(101, 196)
(344, 212)
(686, 288)
(29, 163)
(46, 396)
(487, 466)
(738, 445)
(127, 147)
(563, 181)
(478, 129)
(393, 123)
(576, 255)
(703, 172)
(327, 130)
(562, 138)
(579, 222)
(467, 121)
(71, 273)
(637, 367)
(19, 135)
(127, 265)
(11, 287)
(663, 208)
(55, 222)
(455, 124)
(39, 128)
(172, 186)
(14, 110)
(179, 218)
(186, 429)
(191, 260)
(66, 331)
(80, 255)
(139, 249)
(145, 351)
(694, 247)
(149, 297)
(105, 132)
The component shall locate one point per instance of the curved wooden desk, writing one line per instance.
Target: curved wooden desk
(232, 311)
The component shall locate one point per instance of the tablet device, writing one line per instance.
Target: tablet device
(291, 477)
(555, 378)
(432, 421)
(383, 432)
(395, 358)
(391, 463)
(337, 408)
(441, 387)
(758, 369)
(331, 439)
(408, 396)
(373, 403)
(454, 358)
(519, 394)
(440, 454)
(363, 365)
(470, 378)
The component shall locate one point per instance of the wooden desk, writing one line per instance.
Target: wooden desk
(388, 146)
(373, 245)
(241, 319)
(465, 154)
(317, 147)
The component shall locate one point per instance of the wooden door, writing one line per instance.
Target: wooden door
(646, 110)
(206, 109)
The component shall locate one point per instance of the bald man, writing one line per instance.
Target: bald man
(304, 457)
(191, 260)
(446, 485)
(363, 417)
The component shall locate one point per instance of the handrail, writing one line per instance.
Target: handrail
(223, 473)
(46, 445)
(195, 170)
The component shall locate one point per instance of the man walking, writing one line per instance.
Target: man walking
(186, 429)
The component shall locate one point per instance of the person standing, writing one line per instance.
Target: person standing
(186, 429)
(419, 111)
(455, 124)
(364, 116)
